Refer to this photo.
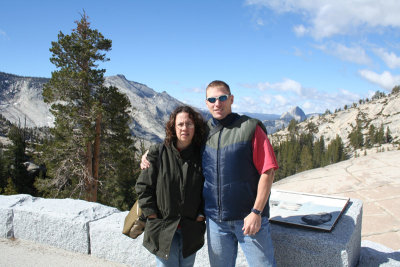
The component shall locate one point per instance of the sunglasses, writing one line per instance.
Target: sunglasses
(221, 98)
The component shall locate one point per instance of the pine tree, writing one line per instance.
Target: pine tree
(318, 153)
(388, 136)
(10, 188)
(380, 135)
(335, 151)
(3, 175)
(18, 177)
(312, 128)
(396, 89)
(305, 159)
(356, 136)
(292, 128)
(370, 139)
(87, 126)
(118, 154)
(288, 156)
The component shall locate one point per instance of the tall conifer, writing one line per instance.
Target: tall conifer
(85, 122)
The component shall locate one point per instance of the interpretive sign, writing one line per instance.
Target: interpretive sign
(306, 210)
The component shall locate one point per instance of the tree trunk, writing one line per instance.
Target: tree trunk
(96, 158)
(89, 172)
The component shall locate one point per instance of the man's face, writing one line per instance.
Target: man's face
(220, 109)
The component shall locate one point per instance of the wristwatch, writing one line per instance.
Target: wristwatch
(256, 211)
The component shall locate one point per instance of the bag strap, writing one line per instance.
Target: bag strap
(160, 151)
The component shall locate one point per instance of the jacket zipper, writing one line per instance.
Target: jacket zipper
(219, 178)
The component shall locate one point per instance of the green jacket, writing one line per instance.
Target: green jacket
(172, 189)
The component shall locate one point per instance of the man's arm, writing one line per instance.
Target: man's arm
(252, 222)
(265, 162)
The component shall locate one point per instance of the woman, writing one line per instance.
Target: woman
(170, 191)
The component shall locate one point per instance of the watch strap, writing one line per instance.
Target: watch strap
(258, 212)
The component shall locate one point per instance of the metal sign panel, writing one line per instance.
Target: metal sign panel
(306, 210)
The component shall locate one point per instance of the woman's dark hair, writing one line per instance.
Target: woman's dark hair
(196, 117)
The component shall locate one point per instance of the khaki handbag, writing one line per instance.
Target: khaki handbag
(134, 222)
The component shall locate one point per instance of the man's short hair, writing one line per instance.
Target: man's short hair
(218, 83)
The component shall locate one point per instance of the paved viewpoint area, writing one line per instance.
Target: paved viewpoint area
(374, 179)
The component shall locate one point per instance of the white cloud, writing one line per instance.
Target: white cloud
(282, 95)
(355, 54)
(307, 105)
(300, 30)
(312, 101)
(347, 94)
(235, 106)
(248, 101)
(385, 80)
(391, 59)
(282, 100)
(196, 90)
(286, 85)
(3, 33)
(255, 104)
(329, 18)
(331, 101)
(266, 99)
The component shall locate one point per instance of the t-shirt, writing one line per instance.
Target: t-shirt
(263, 153)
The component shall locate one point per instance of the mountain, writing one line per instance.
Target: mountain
(274, 123)
(150, 111)
(383, 111)
(21, 101)
(295, 113)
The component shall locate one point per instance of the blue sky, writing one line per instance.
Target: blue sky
(274, 54)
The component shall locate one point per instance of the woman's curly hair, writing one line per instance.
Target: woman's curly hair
(196, 117)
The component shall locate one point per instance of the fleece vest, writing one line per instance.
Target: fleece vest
(231, 179)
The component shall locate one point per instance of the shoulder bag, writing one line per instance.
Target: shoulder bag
(135, 221)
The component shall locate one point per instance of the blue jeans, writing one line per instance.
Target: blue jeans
(223, 238)
(175, 254)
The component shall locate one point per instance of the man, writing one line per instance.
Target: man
(238, 167)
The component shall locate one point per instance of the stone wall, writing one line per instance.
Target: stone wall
(92, 228)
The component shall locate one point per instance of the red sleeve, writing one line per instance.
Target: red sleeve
(263, 153)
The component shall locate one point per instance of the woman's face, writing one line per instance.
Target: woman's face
(184, 127)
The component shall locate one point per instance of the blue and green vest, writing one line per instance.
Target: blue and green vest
(231, 179)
